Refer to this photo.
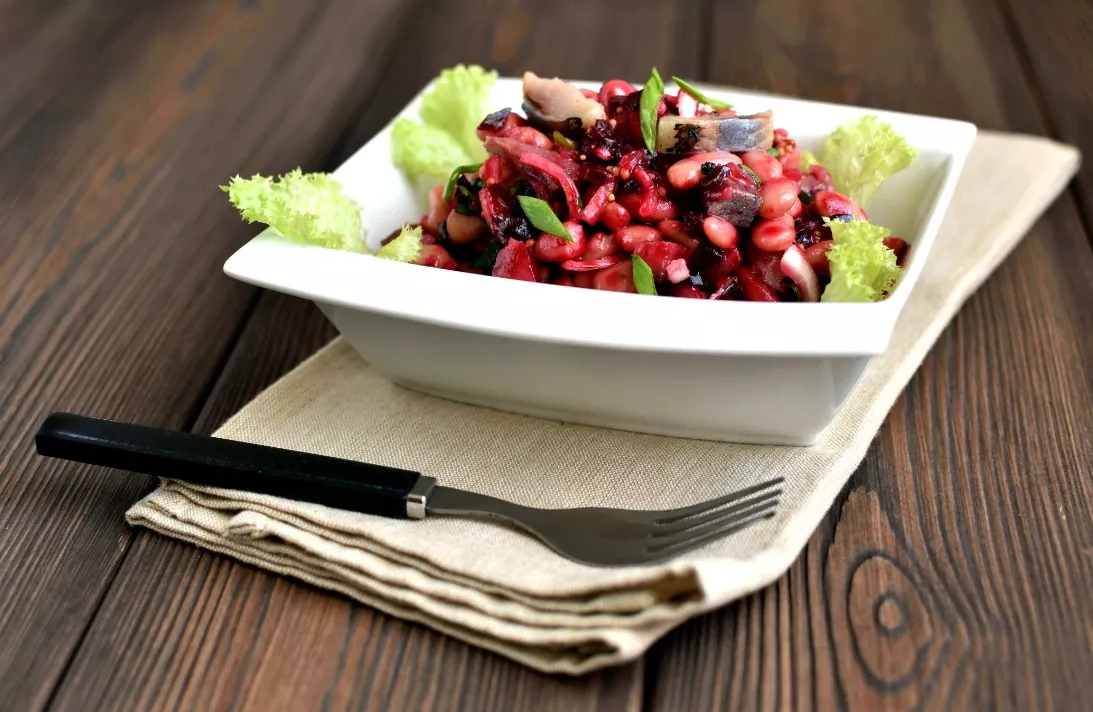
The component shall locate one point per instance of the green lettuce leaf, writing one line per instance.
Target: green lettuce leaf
(429, 149)
(863, 154)
(424, 152)
(808, 159)
(306, 207)
(404, 248)
(862, 268)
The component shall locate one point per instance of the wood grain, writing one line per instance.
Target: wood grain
(953, 575)
(190, 646)
(1054, 38)
(111, 298)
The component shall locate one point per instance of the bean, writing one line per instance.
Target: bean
(566, 280)
(583, 280)
(619, 278)
(551, 248)
(601, 245)
(829, 204)
(817, 256)
(795, 211)
(631, 236)
(438, 209)
(673, 230)
(615, 216)
(899, 246)
(464, 228)
(720, 232)
(687, 173)
(773, 235)
(762, 164)
(778, 197)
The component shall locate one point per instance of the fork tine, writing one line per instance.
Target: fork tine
(674, 515)
(697, 535)
(680, 547)
(666, 530)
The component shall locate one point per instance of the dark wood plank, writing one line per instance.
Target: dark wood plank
(1054, 37)
(46, 46)
(955, 574)
(111, 297)
(190, 645)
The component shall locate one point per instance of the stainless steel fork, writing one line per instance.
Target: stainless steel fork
(591, 535)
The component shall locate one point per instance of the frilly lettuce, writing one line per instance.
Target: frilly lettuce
(445, 137)
(306, 207)
(862, 268)
(863, 154)
(404, 248)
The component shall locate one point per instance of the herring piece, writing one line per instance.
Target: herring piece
(699, 134)
(558, 104)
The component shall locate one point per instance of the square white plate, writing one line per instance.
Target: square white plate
(734, 371)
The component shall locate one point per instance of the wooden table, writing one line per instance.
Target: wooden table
(955, 571)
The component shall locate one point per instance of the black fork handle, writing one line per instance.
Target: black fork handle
(229, 464)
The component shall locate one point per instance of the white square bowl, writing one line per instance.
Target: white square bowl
(717, 370)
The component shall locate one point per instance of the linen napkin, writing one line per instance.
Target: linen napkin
(500, 589)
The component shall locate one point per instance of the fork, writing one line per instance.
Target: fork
(597, 536)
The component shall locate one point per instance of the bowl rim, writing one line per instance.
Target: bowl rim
(544, 312)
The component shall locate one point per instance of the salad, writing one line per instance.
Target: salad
(628, 189)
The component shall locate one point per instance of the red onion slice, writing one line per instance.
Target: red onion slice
(686, 104)
(796, 267)
(590, 265)
(572, 199)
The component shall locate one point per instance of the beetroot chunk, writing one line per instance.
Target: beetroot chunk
(514, 261)
(502, 214)
(730, 193)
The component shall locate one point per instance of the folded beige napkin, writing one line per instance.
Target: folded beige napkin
(502, 590)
